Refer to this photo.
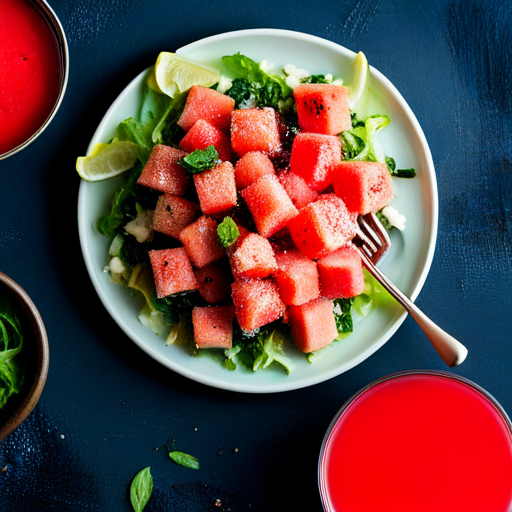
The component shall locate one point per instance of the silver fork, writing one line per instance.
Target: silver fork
(372, 242)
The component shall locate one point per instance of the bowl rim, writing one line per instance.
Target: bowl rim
(321, 477)
(48, 14)
(29, 401)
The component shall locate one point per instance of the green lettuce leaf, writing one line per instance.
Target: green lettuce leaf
(253, 86)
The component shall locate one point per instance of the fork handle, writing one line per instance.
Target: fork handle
(452, 352)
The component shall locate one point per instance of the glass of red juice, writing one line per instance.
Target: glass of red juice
(418, 441)
(34, 66)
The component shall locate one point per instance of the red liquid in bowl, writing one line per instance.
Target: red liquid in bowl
(418, 442)
(30, 72)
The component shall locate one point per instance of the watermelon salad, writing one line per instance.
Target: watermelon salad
(236, 221)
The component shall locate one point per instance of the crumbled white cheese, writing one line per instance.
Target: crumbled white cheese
(116, 266)
(248, 103)
(292, 70)
(268, 67)
(395, 218)
(141, 227)
(224, 84)
(294, 75)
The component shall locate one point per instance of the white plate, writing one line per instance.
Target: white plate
(407, 264)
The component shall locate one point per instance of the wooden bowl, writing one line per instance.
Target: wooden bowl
(36, 348)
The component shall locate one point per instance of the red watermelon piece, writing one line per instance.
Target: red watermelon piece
(254, 129)
(253, 257)
(269, 204)
(257, 303)
(172, 271)
(365, 187)
(204, 134)
(213, 326)
(173, 214)
(313, 325)
(251, 167)
(216, 189)
(163, 173)
(297, 278)
(201, 242)
(323, 226)
(208, 105)
(214, 283)
(341, 274)
(297, 189)
(323, 108)
(312, 157)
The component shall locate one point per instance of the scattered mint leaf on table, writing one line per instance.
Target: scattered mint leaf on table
(184, 459)
(141, 489)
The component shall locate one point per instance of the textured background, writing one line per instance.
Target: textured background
(108, 410)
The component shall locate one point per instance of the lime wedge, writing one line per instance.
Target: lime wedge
(175, 74)
(359, 96)
(151, 81)
(107, 160)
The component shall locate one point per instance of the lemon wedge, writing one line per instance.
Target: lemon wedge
(359, 96)
(174, 74)
(107, 160)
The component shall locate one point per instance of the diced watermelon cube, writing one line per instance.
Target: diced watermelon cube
(322, 108)
(214, 283)
(172, 271)
(201, 242)
(323, 226)
(297, 189)
(313, 155)
(254, 129)
(213, 326)
(313, 325)
(173, 214)
(341, 274)
(208, 105)
(251, 167)
(365, 187)
(269, 204)
(253, 257)
(257, 303)
(204, 134)
(297, 278)
(216, 189)
(163, 173)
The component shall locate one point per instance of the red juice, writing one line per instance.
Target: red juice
(418, 442)
(30, 72)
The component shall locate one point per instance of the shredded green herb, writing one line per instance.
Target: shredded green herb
(12, 362)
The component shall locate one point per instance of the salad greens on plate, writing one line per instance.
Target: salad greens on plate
(128, 224)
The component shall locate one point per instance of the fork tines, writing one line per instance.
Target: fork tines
(372, 237)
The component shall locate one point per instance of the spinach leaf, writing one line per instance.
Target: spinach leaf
(228, 232)
(399, 173)
(184, 459)
(12, 364)
(141, 489)
(343, 315)
(200, 160)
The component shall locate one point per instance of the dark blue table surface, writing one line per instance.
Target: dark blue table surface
(108, 409)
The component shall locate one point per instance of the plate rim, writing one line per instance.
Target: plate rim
(282, 385)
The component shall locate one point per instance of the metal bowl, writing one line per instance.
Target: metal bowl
(37, 352)
(50, 17)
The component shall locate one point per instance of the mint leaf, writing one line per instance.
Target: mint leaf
(228, 232)
(200, 160)
(141, 489)
(184, 459)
